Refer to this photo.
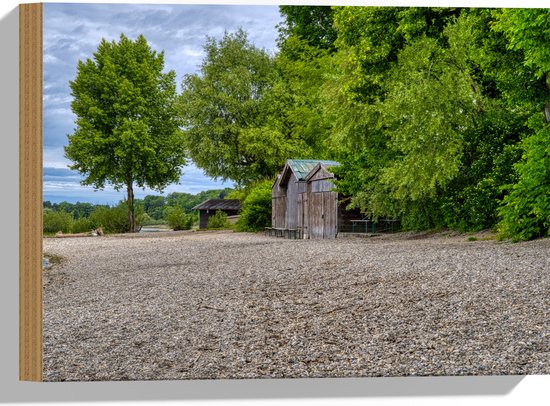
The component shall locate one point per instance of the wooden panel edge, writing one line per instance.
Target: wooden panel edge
(30, 193)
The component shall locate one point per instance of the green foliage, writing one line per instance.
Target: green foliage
(218, 221)
(427, 119)
(373, 38)
(312, 24)
(148, 221)
(187, 201)
(526, 210)
(142, 219)
(154, 206)
(432, 86)
(55, 221)
(298, 97)
(178, 219)
(415, 134)
(528, 30)
(225, 104)
(84, 217)
(111, 219)
(82, 225)
(127, 129)
(239, 194)
(256, 209)
(78, 209)
(235, 112)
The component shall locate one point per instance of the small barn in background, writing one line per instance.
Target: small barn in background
(209, 207)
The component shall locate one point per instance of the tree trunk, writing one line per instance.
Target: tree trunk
(130, 202)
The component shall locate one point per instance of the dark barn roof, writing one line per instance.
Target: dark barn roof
(219, 204)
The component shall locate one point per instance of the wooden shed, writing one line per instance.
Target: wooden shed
(290, 207)
(209, 207)
(305, 203)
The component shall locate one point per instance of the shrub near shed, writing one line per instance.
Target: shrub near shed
(218, 221)
(256, 212)
(178, 219)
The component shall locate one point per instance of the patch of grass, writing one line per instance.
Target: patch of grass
(54, 259)
(472, 238)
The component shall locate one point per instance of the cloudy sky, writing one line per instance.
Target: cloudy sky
(73, 31)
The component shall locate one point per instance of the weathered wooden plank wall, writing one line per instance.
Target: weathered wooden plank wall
(323, 217)
(278, 205)
(294, 188)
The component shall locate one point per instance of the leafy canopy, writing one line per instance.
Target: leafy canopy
(428, 107)
(312, 24)
(235, 113)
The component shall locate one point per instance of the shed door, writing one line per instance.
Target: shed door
(278, 211)
(323, 215)
(330, 214)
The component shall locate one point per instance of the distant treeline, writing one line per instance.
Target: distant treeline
(82, 217)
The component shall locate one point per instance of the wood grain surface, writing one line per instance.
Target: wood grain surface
(30, 192)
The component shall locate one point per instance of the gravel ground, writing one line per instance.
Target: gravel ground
(198, 305)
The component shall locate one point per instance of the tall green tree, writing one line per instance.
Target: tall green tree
(302, 69)
(127, 129)
(234, 112)
(306, 47)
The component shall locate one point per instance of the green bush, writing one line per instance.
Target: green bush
(55, 221)
(178, 219)
(525, 213)
(218, 221)
(82, 225)
(111, 219)
(256, 211)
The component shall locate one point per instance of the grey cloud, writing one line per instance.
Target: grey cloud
(63, 184)
(60, 174)
(73, 31)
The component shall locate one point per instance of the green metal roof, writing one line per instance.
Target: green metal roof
(301, 167)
